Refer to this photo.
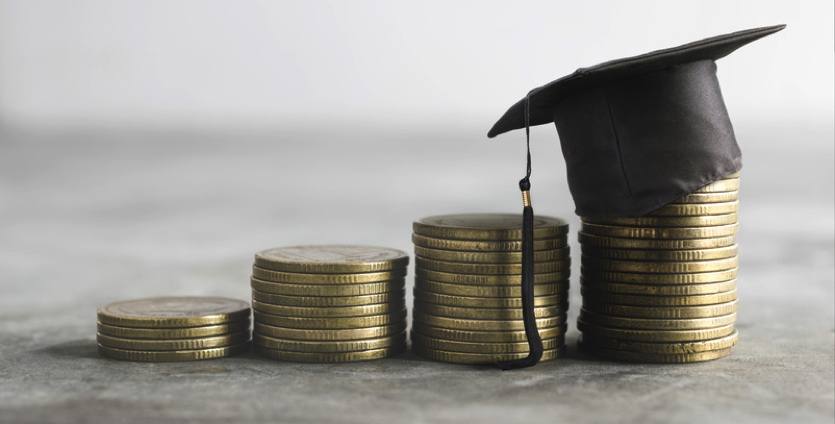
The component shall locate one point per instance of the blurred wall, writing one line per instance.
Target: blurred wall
(209, 63)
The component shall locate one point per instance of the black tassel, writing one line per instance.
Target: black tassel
(531, 332)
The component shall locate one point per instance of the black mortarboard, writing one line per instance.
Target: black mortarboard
(640, 132)
(636, 133)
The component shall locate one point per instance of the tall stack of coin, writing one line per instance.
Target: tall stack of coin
(173, 328)
(662, 287)
(468, 305)
(329, 303)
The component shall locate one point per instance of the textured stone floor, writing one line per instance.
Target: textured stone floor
(90, 217)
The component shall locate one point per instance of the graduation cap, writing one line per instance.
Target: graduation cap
(636, 134)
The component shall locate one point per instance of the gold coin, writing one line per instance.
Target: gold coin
(330, 259)
(173, 355)
(720, 186)
(168, 345)
(480, 359)
(659, 267)
(482, 348)
(638, 300)
(482, 324)
(656, 289)
(662, 348)
(488, 269)
(650, 244)
(365, 355)
(734, 175)
(486, 246)
(496, 226)
(329, 346)
(328, 290)
(663, 279)
(661, 312)
(322, 301)
(324, 279)
(662, 255)
(487, 313)
(489, 280)
(667, 233)
(173, 312)
(173, 333)
(697, 198)
(656, 324)
(486, 336)
(486, 302)
(660, 358)
(330, 335)
(655, 336)
(667, 221)
(489, 291)
(329, 312)
(697, 209)
(490, 257)
(330, 323)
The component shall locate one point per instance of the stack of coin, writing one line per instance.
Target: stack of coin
(662, 287)
(329, 303)
(173, 329)
(468, 305)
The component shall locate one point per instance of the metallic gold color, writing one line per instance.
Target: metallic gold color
(330, 323)
(655, 300)
(330, 335)
(700, 198)
(173, 312)
(526, 198)
(486, 302)
(488, 291)
(490, 257)
(659, 233)
(656, 324)
(489, 280)
(662, 348)
(697, 209)
(650, 244)
(328, 290)
(487, 313)
(365, 355)
(482, 348)
(501, 227)
(480, 359)
(660, 358)
(657, 290)
(663, 279)
(329, 312)
(485, 336)
(659, 267)
(720, 186)
(486, 246)
(483, 325)
(667, 221)
(488, 269)
(175, 355)
(169, 345)
(324, 279)
(329, 301)
(662, 312)
(321, 346)
(173, 333)
(331, 259)
(661, 255)
(655, 336)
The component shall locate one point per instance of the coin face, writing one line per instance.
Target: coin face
(170, 312)
(331, 259)
(487, 227)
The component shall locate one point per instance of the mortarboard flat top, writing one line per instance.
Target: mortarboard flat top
(640, 132)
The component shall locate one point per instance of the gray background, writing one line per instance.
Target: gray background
(150, 148)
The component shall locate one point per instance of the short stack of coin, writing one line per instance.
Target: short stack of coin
(662, 287)
(173, 329)
(468, 305)
(329, 303)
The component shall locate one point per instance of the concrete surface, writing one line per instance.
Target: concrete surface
(90, 217)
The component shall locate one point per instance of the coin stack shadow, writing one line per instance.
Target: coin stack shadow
(662, 287)
(468, 306)
(173, 329)
(329, 303)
